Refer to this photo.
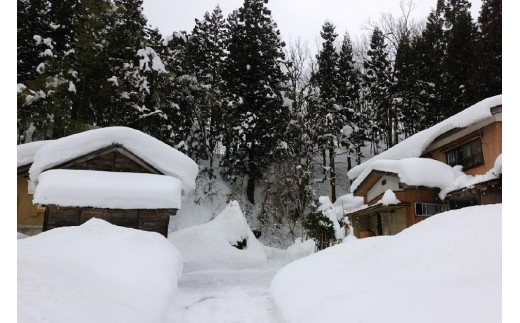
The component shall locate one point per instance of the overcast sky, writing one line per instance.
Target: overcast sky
(295, 18)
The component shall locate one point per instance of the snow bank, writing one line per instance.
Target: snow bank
(389, 198)
(444, 269)
(113, 190)
(414, 171)
(415, 145)
(25, 152)
(96, 272)
(166, 159)
(210, 245)
(295, 251)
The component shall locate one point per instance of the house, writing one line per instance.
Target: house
(29, 215)
(117, 174)
(455, 163)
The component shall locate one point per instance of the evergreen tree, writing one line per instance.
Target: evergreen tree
(377, 83)
(460, 38)
(205, 56)
(253, 79)
(487, 69)
(348, 97)
(429, 50)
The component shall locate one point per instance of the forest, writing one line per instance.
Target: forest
(271, 119)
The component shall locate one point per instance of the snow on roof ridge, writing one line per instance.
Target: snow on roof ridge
(158, 154)
(414, 145)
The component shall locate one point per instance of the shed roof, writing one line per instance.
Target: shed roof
(415, 145)
(161, 156)
(111, 190)
(25, 152)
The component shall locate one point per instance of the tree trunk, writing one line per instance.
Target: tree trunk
(332, 175)
(251, 190)
(349, 163)
(323, 153)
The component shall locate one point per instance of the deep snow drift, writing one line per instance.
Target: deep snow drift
(212, 245)
(96, 272)
(444, 269)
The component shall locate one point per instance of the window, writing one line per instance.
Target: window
(383, 182)
(468, 155)
(427, 209)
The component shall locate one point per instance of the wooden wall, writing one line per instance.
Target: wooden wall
(29, 216)
(491, 139)
(148, 220)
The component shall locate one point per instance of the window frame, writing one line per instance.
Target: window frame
(441, 208)
(455, 156)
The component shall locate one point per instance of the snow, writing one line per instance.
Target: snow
(415, 145)
(113, 79)
(348, 203)
(414, 172)
(112, 190)
(468, 181)
(21, 236)
(144, 62)
(446, 268)
(164, 158)
(72, 87)
(20, 87)
(25, 152)
(328, 210)
(96, 272)
(210, 245)
(389, 198)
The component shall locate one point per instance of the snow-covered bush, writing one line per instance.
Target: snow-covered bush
(96, 272)
(444, 269)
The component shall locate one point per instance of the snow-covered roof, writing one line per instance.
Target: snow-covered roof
(468, 181)
(414, 145)
(113, 190)
(414, 171)
(164, 158)
(25, 152)
(389, 198)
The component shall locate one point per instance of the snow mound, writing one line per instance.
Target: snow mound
(444, 269)
(389, 198)
(113, 190)
(414, 172)
(25, 152)
(414, 146)
(96, 272)
(166, 159)
(297, 250)
(211, 245)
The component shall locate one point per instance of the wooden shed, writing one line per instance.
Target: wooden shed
(117, 174)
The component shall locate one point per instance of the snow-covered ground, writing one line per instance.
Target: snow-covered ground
(223, 284)
(444, 269)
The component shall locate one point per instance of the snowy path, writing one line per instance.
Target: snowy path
(225, 296)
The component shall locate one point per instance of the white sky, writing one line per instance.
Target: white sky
(295, 18)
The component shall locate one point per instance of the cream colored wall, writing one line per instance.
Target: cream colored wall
(392, 182)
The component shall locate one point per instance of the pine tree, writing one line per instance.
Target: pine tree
(348, 97)
(487, 66)
(205, 56)
(460, 38)
(253, 77)
(429, 50)
(377, 83)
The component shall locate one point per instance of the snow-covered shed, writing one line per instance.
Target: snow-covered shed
(119, 174)
(448, 166)
(29, 216)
